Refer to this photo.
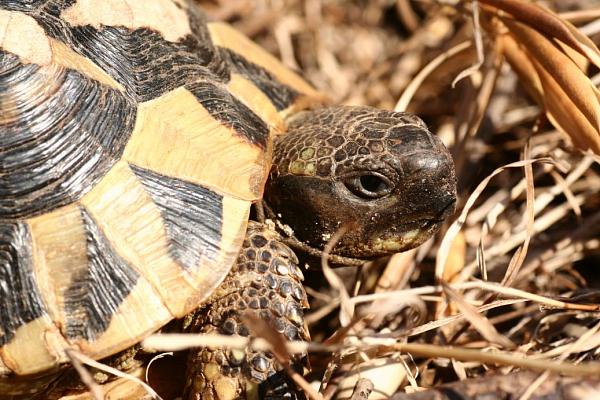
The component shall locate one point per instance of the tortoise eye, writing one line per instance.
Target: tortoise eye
(369, 186)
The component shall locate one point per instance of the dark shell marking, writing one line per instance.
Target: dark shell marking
(231, 112)
(280, 95)
(145, 63)
(19, 293)
(192, 216)
(51, 155)
(96, 293)
(30, 6)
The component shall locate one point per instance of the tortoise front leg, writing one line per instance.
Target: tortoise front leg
(266, 282)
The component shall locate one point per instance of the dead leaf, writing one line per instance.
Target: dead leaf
(567, 74)
(547, 22)
(480, 323)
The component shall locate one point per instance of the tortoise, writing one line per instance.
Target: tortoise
(135, 137)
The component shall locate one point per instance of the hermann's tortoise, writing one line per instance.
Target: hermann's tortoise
(134, 138)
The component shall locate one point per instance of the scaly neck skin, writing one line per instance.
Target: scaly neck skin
(381, 171)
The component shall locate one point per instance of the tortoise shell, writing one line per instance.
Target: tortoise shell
(134, 136)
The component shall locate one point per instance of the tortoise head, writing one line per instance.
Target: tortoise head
(382, 172)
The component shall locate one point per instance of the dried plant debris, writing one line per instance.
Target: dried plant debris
(501, 387)
(505, 301)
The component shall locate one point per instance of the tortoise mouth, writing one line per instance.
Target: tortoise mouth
(447, 211)
(407, 239)
(435, 218)
(397, 241)
(410, 235)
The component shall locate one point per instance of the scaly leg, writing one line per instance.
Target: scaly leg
(266, 282)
